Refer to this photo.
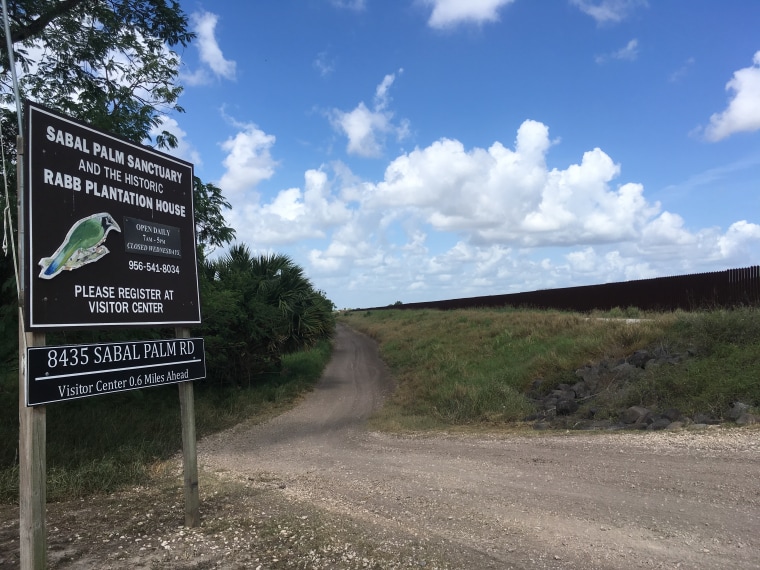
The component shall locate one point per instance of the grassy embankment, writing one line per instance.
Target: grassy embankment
(474, 367)
(98, 444)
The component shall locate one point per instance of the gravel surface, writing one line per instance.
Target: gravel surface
(314, 489)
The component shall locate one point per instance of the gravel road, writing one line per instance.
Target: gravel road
(679, 499)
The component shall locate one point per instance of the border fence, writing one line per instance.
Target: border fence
(719, 289)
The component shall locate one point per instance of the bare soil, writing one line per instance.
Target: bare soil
(313, 488)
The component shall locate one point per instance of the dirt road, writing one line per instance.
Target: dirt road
(687, 499)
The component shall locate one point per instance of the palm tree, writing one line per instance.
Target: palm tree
(260, 308)
(307, 312)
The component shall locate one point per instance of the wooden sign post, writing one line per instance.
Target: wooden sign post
(189, 452)
(32, 429)
(32, 469)
(107, 235)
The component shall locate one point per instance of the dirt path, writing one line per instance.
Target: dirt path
(689, 499)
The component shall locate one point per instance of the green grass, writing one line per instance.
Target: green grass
(725, 369)
(102, 443)
(469, 367)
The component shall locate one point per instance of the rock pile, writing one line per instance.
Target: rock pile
(571, 406)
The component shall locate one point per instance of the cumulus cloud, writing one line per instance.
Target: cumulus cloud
(608, 11)
(351, 246)
(743, 111)
(590, 266)
(500, 195)
(627, 53)
(249, 160)
(450, 221)
(204, 25)
(450, 13)
(293, 215)
(367, 129)
(739, 240)
(667, 230)
(184, 150)
(518, 224)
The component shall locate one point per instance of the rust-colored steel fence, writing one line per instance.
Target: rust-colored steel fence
(730, 288)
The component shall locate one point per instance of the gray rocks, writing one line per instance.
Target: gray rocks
(660, 423)
(707, 419)
(635, 415)
(568, 405)
(747, 419)
(737, 410)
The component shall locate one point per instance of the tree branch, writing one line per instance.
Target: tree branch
(35, 27)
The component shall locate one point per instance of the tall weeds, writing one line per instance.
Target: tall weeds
(476, 366)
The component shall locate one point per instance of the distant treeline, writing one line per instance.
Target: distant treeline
(719, 289)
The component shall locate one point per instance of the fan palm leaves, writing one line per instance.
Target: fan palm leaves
(259, 308)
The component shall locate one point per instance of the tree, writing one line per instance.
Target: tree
(211, 230)
(9, 306)
(111, 64)
(307, 314)
(257, 309)
(108, 62)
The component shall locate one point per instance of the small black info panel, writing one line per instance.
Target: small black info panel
(110, 237)
(59, 373)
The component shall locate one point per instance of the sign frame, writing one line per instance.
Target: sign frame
(74, 371)
(110, 230)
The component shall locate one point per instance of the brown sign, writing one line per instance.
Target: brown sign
(110, 232)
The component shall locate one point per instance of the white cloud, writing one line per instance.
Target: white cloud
(356, 5)
(666, 230)
(381, 92)
(743, 111)
(324, 64)
(450, 13)
(714, 176)
(362, 127)
(185, 150)
(682, 71)
(627, 53)
(293, 215)
(583, 261)
(351, 246)
(367, 129)
(248, 159)
(608, 11)
(505, 207)
(590, 266)
(448, 221)
(739, 240)
(499, 195)
(204, 25)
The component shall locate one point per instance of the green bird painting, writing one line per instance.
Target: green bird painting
(83, 245)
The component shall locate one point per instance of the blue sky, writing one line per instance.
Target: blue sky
(415, 150)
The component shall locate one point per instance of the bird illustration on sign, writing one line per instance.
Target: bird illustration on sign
(83, 244)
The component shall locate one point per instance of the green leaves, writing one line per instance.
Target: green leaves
(257, 309)
(109, 62)
(211, 229)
